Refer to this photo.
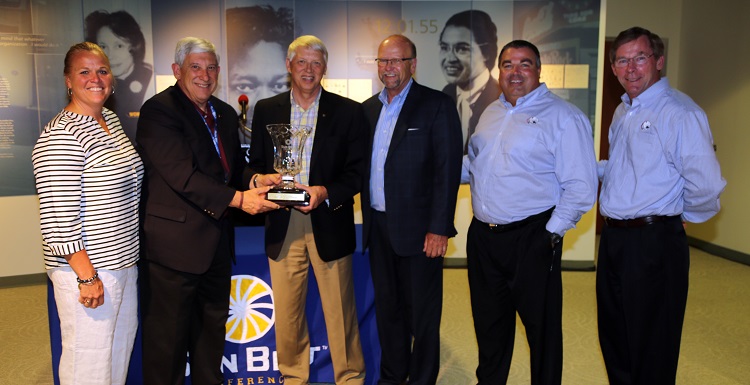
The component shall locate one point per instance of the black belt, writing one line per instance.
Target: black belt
(498, 228)
(639, 222)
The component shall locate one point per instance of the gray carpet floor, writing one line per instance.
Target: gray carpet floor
(715, 345)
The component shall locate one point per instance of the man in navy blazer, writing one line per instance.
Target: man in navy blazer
(322, 234)
(408, 203)
(188, 141)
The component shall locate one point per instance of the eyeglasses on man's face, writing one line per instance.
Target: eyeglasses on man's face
(382, 62)
(639, 60)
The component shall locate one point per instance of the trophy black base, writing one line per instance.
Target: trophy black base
(288, 197)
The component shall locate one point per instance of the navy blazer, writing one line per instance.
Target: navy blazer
(336, 163)
(422, 169)
(185, 195)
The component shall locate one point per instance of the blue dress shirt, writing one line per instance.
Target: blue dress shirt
(381, 143)
(527, 158)
(661, 159)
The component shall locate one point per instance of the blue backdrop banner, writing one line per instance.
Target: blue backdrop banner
(250, 348)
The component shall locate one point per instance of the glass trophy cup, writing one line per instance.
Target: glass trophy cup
(288, 145)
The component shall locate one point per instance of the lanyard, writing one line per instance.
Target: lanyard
(212, 130)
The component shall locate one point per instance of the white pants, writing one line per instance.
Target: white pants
(96, 343)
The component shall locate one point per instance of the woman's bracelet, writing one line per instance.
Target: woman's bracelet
(90, 281)
(255, 180)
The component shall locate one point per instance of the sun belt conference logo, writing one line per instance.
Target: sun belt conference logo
(251, 313)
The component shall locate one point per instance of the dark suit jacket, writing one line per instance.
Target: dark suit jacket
(336, 163)
(490, 93)
(422, 169)
(184, 194)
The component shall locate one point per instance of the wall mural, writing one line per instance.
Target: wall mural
(455, 47)
(457, 43)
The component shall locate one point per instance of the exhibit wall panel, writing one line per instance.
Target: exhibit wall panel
(35, 34)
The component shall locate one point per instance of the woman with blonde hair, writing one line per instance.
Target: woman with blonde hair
(88, 177)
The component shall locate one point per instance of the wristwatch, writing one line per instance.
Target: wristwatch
(554, 239)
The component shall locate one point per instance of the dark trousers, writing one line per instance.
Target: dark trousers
(516, 270)
(408, 307)
(185, 314)
(641, 293)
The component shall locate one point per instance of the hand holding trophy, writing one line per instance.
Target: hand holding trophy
(288, 145)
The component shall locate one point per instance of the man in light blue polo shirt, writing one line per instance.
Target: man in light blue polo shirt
(532, 172)
(662, 171)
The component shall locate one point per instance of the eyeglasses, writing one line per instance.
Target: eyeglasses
(639, 61)
(394, 62)
(459, 49)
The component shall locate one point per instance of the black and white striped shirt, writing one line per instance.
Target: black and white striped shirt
(89, 186)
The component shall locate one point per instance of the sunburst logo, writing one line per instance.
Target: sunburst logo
(251, 313)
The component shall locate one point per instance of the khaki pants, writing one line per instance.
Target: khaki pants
(336, 286)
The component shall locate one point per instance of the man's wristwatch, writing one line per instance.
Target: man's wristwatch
(554, 239)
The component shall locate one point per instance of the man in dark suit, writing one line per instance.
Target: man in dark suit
(408, 204)
(188, 141)
(321, 234)
(468, 49)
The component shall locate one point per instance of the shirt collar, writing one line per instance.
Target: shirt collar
(535, 94)
(384, 95)
(294, 103)
(648, 96)
(197, 108)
